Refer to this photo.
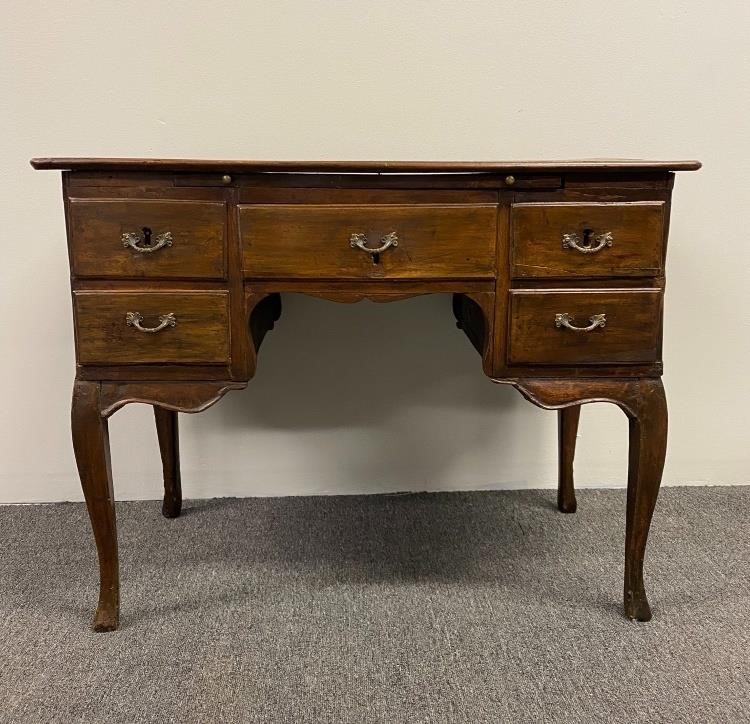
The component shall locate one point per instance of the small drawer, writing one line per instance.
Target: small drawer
(121, 328)
(587, 240)
(400, 242)
(135, 239)
(609, 326)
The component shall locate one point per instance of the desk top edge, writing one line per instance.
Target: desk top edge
(375, 167)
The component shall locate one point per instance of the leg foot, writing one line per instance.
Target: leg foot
(636, 603)
(567, 427)
(91, 446)
(107, 617)
(171, 507)
(169, 446)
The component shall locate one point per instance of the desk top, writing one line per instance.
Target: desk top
(394, 167)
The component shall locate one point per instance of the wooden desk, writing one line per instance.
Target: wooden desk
(177, 267)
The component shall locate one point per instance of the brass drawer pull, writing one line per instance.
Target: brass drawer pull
(360, 241)
(566, 320)
(141, 242)
(587, 245)
(134, 319)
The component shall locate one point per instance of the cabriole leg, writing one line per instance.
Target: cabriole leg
(91, 447)
(648, 447)
(169, 446)
(567, 429)
(645, 405)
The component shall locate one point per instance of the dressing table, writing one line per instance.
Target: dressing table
(178, 267)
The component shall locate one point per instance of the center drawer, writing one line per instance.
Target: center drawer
(121, 328)
(368, 241)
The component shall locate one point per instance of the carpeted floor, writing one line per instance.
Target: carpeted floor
(451, 607)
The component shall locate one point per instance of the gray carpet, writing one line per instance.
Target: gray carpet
(451, 607)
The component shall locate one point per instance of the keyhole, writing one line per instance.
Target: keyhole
(376, 258)
(587, 237)
(146, 236)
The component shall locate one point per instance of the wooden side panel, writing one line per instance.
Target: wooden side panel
(199, 336)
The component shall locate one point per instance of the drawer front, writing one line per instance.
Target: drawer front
(587, 240)
(592, 327)
(317, 242)
(120, 328)
(147, 239)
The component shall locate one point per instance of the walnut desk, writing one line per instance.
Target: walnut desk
(177, 267)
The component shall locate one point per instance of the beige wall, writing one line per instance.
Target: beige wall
(383, 80)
